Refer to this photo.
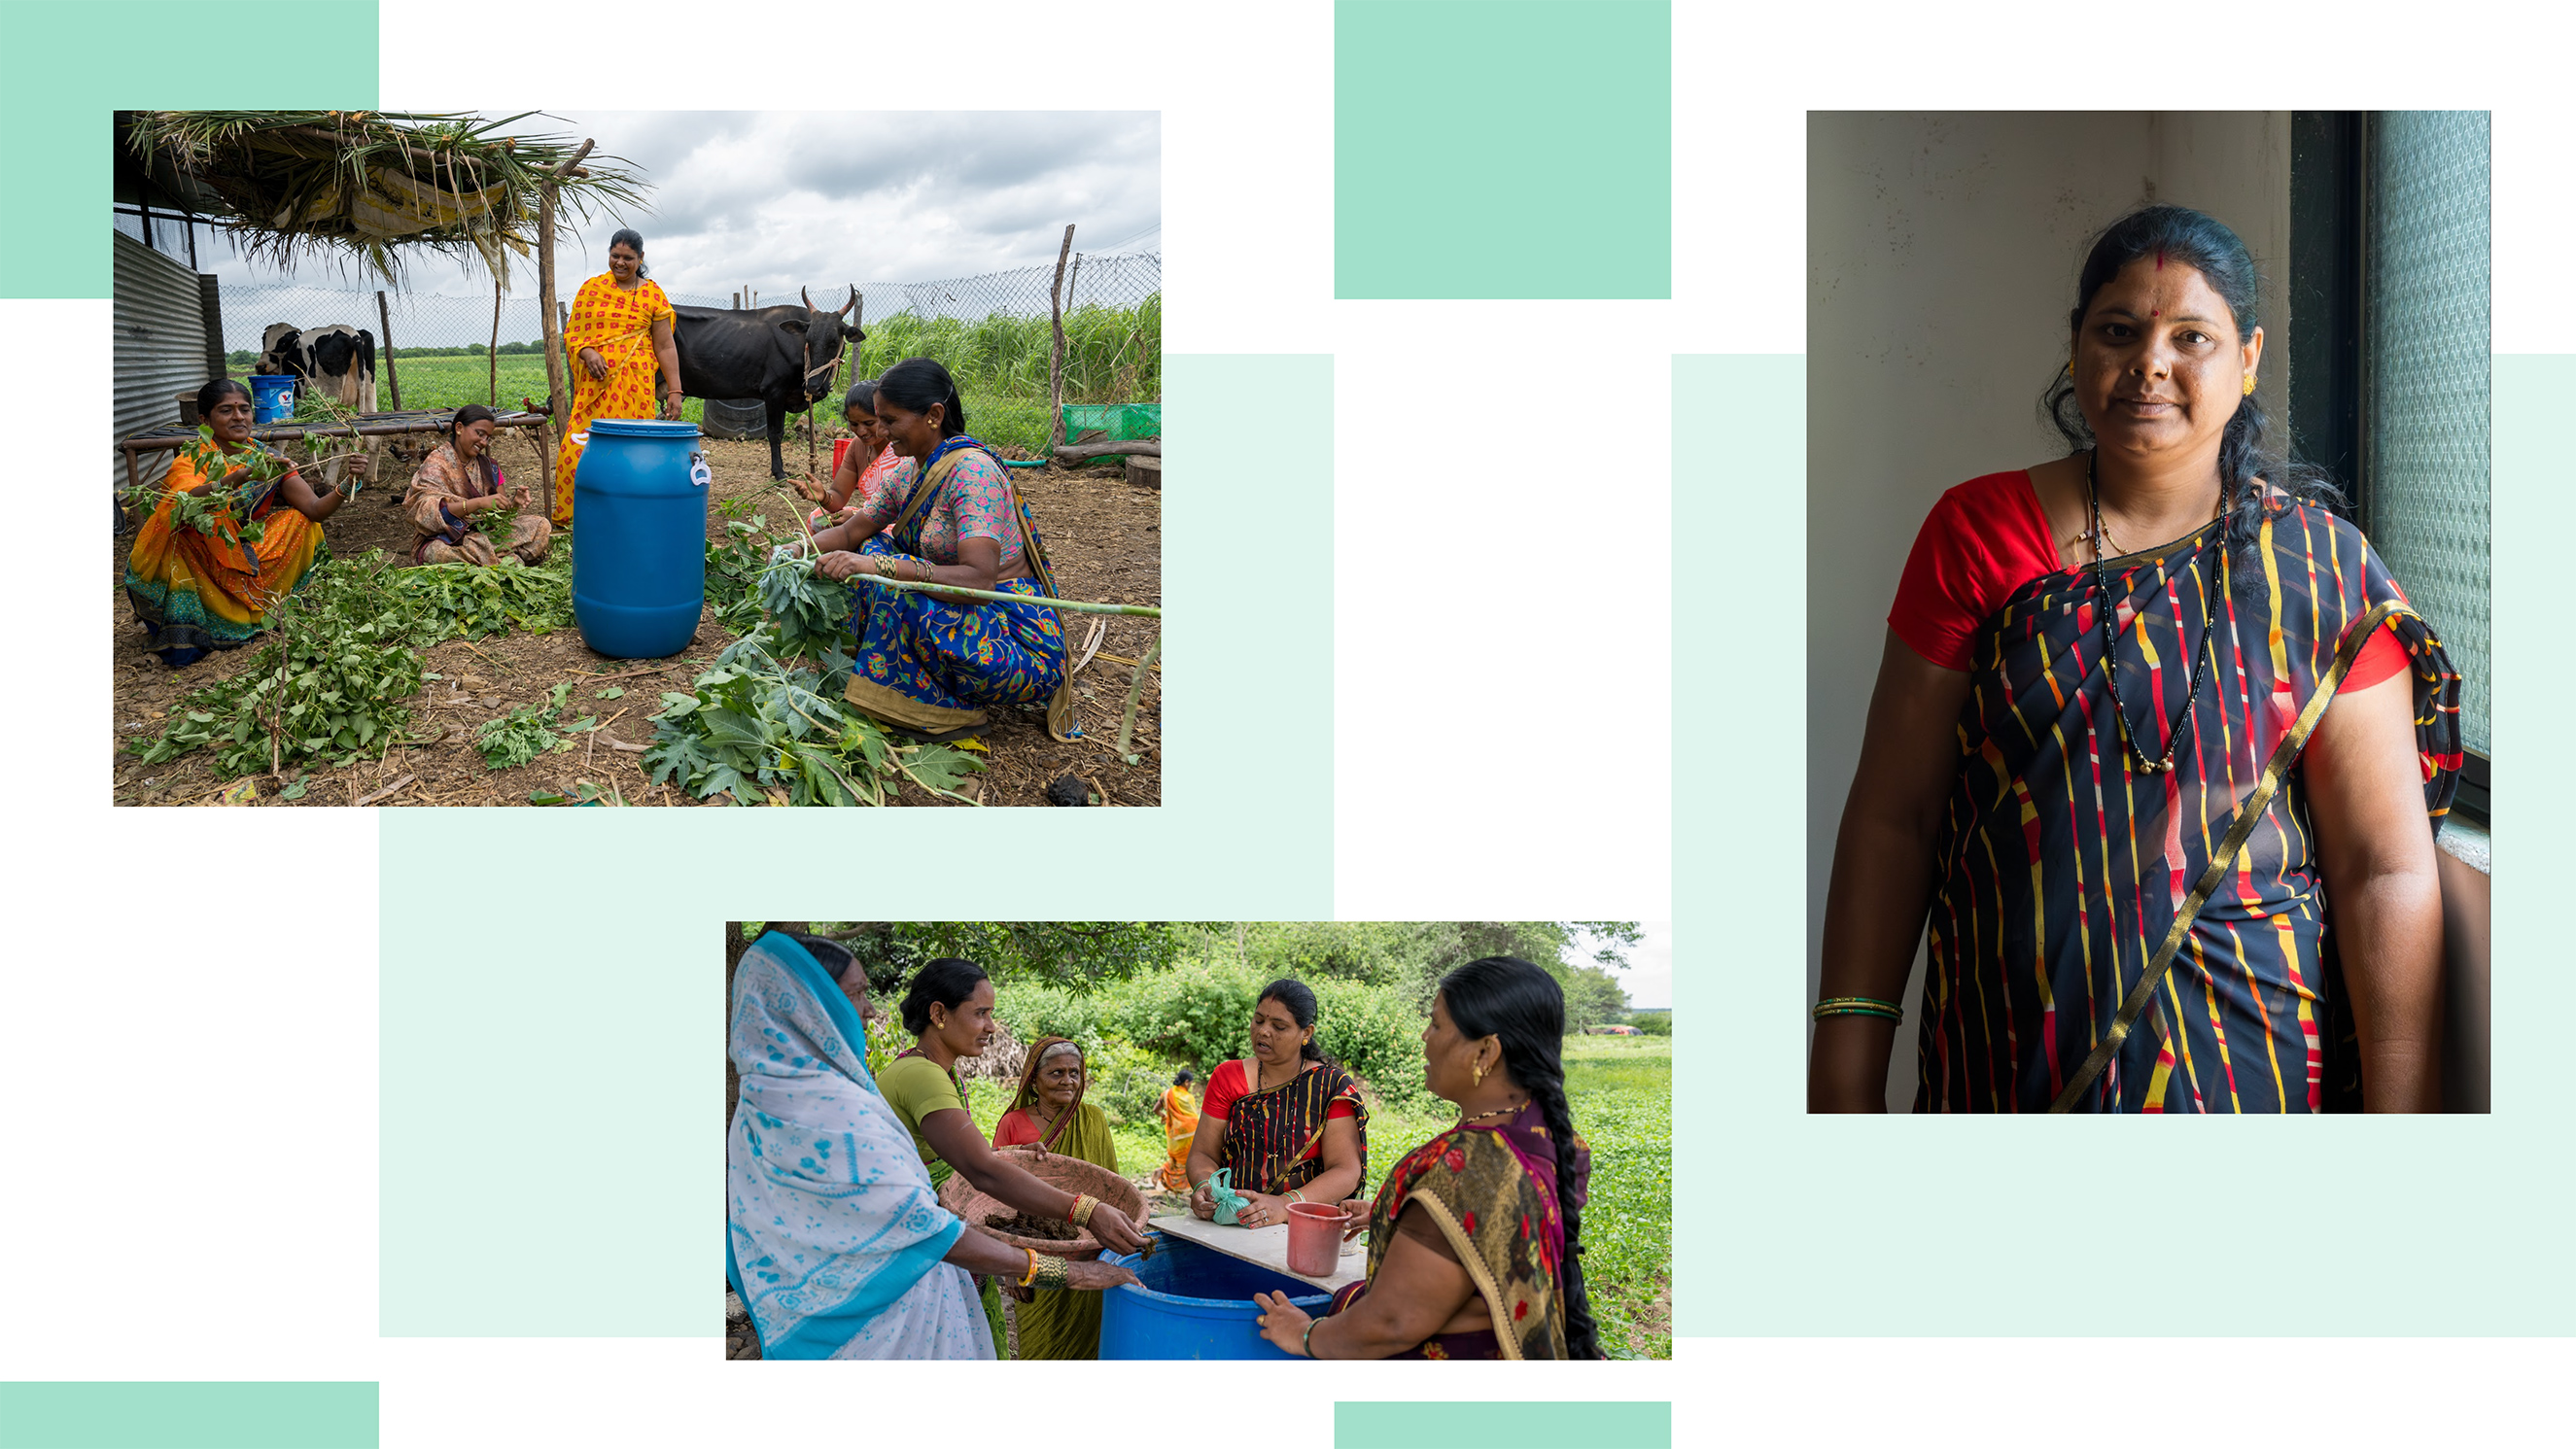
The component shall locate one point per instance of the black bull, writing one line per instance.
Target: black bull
(784, 356)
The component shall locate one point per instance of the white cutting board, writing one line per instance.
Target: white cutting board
(1266, 1246)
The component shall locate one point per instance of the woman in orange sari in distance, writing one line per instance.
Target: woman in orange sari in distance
(1180, 1125)
(619, 335)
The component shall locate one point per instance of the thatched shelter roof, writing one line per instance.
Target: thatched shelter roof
(365, 185)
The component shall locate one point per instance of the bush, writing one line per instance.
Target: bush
(1368, 1030)
(1195, 1013)
(1127, 1082)
(1652, 1023)
(1034, 1010)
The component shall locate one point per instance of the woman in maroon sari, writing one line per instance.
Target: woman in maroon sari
(1473, 1237)
(2167, 807)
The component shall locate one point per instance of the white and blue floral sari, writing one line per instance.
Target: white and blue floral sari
(834, 1239)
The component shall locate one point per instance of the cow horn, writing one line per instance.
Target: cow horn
(853, 302)
(809, 298)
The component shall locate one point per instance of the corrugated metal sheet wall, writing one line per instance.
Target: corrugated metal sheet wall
(161, 345)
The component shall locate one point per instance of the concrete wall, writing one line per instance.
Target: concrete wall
(1942, 252)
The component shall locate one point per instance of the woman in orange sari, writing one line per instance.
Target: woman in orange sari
(1180, 1126)
(619, 334)
(204, 575)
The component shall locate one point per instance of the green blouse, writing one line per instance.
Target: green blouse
(915, 1087)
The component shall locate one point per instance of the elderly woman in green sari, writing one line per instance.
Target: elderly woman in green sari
(1048, 1111)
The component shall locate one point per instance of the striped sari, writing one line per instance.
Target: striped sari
(195, 591)
(2085, 955)
(1269, 1134)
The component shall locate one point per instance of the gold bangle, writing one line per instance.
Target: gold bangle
(1083, 1203)
(1051, 1274)
(1025, 1278)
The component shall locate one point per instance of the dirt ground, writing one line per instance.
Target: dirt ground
(1102, 535)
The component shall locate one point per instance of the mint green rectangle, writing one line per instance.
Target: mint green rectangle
(74, 66)
(1507, 149)
(550, 1159)
(1513, 1424)
(112, 1415)
(2082, 1227)
(1729, 947)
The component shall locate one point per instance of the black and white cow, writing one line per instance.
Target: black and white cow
(340, 360)
(784, 356)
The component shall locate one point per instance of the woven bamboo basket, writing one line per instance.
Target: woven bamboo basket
(982, 1211)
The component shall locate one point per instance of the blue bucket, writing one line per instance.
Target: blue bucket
(639, 512)
(1196, 1303)
(272, 399)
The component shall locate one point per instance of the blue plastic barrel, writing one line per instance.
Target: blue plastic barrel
(1196, 1303)
(639, 559)
(272, 399)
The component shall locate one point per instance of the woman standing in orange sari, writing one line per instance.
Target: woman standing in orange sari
(619, 334)
(204, 576)
(1180, 1128)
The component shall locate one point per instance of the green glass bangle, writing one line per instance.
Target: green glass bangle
(1857, 1006)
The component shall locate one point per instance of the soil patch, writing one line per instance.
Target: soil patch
(1103, 535)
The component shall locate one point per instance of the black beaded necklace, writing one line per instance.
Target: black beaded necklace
(2110, 637)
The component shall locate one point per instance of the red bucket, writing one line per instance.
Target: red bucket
(1314, 1239)
(840, 450)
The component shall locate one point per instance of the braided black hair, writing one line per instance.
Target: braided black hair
(1521, 1006)
(918, 384)
(944, 982)
(1299, 998)
(2204, 244)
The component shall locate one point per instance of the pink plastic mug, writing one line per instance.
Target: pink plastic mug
(1314, 1239)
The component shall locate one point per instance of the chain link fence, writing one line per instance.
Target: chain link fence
(439, 322)
(991, 330)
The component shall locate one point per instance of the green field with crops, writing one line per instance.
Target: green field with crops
(1112, 354)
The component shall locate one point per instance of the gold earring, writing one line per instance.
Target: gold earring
(2249, 384)
(1480, 1074)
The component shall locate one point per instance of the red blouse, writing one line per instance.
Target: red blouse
(1988, 537)
(1226, 1083)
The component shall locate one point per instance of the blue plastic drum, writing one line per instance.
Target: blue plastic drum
(272, 399)
(1196, 1303)
(639, 559)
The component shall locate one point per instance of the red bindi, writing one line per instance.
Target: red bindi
(2160, 259)
(2155, 312)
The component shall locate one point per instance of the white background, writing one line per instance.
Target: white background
(187, 1038)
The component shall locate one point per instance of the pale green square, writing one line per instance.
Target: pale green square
(187, 1415)
(73, 66)
(1503, 1424)
(1502, 149)
(550, 1051)
(2314, 1227)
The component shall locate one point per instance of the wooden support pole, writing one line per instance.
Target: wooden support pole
(492, 349)
(550, 314)
(1055, 369)
(385, 321)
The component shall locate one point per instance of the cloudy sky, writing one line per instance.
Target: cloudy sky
(773, 200)
(1649, 972)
